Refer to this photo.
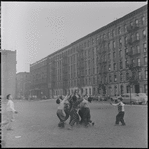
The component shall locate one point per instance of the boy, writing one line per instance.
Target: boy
(10, 111)
(84, 111)
(74, 117)
(121, 112)
(63, 110)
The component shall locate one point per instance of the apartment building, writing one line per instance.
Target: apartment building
(106, 61)
(23, 85)
(8, 76)
(38, 78)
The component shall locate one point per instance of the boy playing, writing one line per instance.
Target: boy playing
(121, 112)
(84, 111)
(63, 110)
(10, 111)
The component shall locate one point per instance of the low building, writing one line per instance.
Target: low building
(23, 85)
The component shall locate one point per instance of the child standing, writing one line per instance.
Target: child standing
(121, 112)
(63, 110)
(10, 111)
(84, 111)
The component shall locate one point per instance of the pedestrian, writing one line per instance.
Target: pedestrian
(121, 112)
(84, 112)
(10, 111)
(74, 117)
(63, 110)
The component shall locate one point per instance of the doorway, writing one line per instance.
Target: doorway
(137, 88)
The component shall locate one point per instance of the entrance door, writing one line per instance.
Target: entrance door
(137, 88)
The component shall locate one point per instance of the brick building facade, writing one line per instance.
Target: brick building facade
(103, 62)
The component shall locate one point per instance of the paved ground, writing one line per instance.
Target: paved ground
(36, 126)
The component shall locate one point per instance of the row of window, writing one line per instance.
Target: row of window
(90, 71)
(109, 34)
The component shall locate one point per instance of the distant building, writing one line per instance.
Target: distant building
(22, 85)
(8, 68)
(39, 82)
(107, 61)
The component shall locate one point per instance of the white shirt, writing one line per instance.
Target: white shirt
(120, 106)
(10, 106)
(84, 104)
(62, 103)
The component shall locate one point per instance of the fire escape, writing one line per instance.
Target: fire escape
(80, 64)
(103, 66)
(65, 73)
(131, 55)
(53, 76)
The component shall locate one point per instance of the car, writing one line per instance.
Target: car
(135, 98)
(144, 96)
(114, 98)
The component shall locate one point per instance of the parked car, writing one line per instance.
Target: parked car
(114, 98)
(135, 98)
(144, 96)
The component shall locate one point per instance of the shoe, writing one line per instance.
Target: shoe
(116, 125)
(9, 129)
(69, 128)
(93, 124)
(123, 124)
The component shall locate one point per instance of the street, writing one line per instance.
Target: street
(36, 123)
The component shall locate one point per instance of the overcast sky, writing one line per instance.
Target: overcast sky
(37, 29)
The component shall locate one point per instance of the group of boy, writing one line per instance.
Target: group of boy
(76, 107)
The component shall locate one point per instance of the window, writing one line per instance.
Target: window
(139, 74)
(109, 67)
(108, 45)
(126, 40)
(137, 35)
(92, 40)
(109, 56)
(120, 53)
(143, 19)
(144, 33)
(127, 76)
(126, 63)
(115, 78)
(138, 62)
(138, 49)
(114, 66)
(133, 62)
(145, 60)
(121, 64)
(114, 44)
(121, 76)
(145, 89)
(133, 50)
(104, 36)
(113, 32)
(120, 42)
(110, 79)
(132, 37)
(125, 28)
(119, 30)
(131, 24)
(126, 51)
(144, 47)
(114, 55)
(127, 88)
(146, 74)
(115, 90)
(122, 89)
(137, 22)
(88, 43)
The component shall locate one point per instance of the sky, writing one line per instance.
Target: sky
(37, 29)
